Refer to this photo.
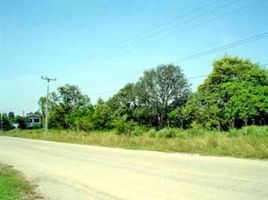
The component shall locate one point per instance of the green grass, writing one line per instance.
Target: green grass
(249, 142)
(13, 186)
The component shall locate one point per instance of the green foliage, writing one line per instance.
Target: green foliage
(21, 121)
(151, 133)
(13, 186)
(80, 119)
(102, 116)
(123, 126)
(249, 131)
(176, 118)
(138, 130)
(68, 108)
(233, 95)
(162, 89)
(11, 117)
(149, 101)
(124, 102)
(6, 122)
(202, 109)
(167, 133)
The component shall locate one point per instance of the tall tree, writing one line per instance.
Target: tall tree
(124, 102)
(65, 106)
(161, 90)
(102, 117)
(233, 95)
(6, 124)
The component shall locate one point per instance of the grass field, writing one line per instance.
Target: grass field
(249, 142)
(13, 186)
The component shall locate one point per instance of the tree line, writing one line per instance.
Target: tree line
(234, 94)
(9, 119)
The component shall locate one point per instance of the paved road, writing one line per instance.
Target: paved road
(68, 171)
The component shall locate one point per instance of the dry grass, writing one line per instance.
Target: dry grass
(249, 142)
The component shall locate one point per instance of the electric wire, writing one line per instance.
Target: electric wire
(173, 26)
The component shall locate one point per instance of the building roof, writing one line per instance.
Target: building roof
(34, 115)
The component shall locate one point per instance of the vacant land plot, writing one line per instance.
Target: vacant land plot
(249, 142)
(85, 172)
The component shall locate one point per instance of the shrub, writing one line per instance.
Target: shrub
(197, 130)
(167, 133)
(212, 142)
(256, 131)
(150, 133)
(123, 126)
(138, 131)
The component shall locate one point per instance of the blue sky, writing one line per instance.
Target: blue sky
(100, 45)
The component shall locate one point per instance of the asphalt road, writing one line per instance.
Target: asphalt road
(69, 171)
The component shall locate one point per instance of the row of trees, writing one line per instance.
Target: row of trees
(10, 121)
(233, 95)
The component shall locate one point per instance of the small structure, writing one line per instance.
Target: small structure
(15, 125)
(34, 121)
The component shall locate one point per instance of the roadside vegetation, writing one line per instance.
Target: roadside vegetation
(227, 115)
(248, 142)
(13, 186)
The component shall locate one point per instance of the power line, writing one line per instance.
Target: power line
(214, 50)
(119, 47)
(224, 47)
(210, 20)
(233, 11)
(160, 28)
(164, 30)
(157, 29)
(114, 91)
(211, 51)
(177, 24)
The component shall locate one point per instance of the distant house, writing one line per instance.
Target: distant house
(15, 125)
(34, 121)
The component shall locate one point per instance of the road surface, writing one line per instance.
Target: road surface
(74, 172)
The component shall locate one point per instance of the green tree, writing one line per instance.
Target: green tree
(66, 106)
(102, 117)
(123, 103)
(161, 90)
(21, 121)
(6, 124)
(11, 117)
(233, 95)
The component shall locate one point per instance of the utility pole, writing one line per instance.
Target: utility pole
(48, 80)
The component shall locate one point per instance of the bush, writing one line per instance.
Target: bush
(37, 126)
(167, 133)
(212, 142)
(175, 118)
(122, 126)
(256, 131)
(84, 124)
(138, 131)
(151, 133)
(197, 130)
